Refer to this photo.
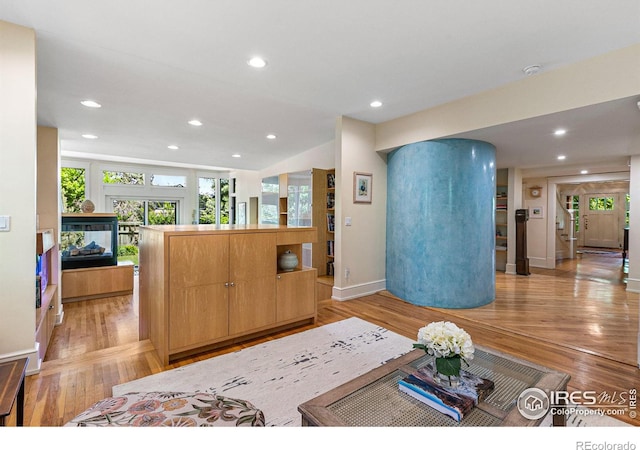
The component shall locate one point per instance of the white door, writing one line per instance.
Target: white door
(600, 221)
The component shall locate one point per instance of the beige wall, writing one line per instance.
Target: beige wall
(360, 248)
(18, 191)
(48, 200)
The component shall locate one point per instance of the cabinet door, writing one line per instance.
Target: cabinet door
(198, 315)
(253, 266)
(296, 295)
(198, 260)
(198, 292)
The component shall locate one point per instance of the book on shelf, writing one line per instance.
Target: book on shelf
(330, 248)
(455, 401)
(331, 200)
(331, 222)
(330, 268)
(331, 180)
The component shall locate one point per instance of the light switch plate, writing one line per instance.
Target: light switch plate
(347, 221)
(5, 223)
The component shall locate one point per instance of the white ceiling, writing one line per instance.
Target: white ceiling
(156, 64)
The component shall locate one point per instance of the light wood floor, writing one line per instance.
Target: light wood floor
(578, 319)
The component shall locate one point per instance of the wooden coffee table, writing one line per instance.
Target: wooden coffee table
(374, 400)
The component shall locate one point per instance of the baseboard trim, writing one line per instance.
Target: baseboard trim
(358, 290)
(633, 285)
(542, 263)
(34, 360)
(510, 269)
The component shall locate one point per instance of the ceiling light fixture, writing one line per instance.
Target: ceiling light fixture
(91, 104)
(532, 69)
(257, 62)
(195, 123)
(236, 155)
(90, 136)
(375, 104)
(271, 136)
(173, 147)
(561, 157)
(584, 172)
(560, 132)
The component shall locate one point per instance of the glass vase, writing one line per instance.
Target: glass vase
(447, 371)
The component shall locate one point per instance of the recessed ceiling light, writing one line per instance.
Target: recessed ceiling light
(173, 147)
(235, 155)
(257, 62)
(271, 136)
(584, 172)
(90, 136)
(562, 157)
(195, 123)
(560, 132)
(91, 104)
(532, 69)
(375, 104)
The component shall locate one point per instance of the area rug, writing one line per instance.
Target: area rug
(279, 375)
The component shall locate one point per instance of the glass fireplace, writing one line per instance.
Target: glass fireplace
(89, 240)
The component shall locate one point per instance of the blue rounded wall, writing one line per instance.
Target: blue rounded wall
(441, 223)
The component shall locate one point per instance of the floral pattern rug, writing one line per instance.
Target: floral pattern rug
(169, 409)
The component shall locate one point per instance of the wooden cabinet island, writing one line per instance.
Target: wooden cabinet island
(205, 286)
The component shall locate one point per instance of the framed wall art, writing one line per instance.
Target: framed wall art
(536, 212)
(362, 187)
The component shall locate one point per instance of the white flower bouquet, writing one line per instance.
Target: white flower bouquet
(448, 343)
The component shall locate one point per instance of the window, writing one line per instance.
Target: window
(601, 203)
(168, 180)
(213, 200)
(627, 206)
(206, 200)
(135, 212)
(270, 196)
(72, 186)
(224, 200)
(109, 177)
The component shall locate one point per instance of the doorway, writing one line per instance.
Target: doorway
(601, 220)
(132, 213)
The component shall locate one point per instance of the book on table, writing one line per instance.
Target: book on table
(455, 401)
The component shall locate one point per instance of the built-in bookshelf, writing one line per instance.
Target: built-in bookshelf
(331, 207)
(324, 203)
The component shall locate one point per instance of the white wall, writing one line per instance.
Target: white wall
(633, 280)
(18, 192)
(320, 157)
(361, 247)
(247, 186)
